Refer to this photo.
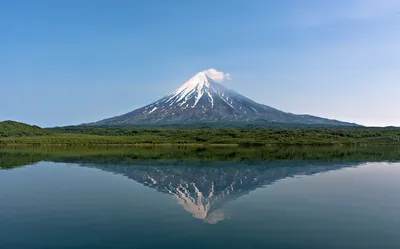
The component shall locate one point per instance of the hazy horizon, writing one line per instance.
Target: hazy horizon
(73, 62)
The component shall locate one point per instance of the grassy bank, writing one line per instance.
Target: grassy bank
(14, 133)
(213, 136)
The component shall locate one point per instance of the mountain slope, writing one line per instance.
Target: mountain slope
(201, 100)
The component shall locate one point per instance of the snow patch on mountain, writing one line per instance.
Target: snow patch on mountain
(155, 108)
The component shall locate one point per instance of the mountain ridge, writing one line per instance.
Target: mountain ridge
(202, 100)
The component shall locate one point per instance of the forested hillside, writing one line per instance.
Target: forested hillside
(17, 129)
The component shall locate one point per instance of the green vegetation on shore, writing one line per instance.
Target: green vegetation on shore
(12, 133)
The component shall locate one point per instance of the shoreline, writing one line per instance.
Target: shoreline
(258, 145)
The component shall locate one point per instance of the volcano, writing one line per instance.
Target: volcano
(201, 100)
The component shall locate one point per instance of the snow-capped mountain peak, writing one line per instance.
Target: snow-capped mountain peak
(199, 85)
(197, 82)
(202, 100)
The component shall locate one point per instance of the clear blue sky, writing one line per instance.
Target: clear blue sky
(68, 62)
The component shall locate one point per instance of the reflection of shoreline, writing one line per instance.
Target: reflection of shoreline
(12, 157)
(203, 190)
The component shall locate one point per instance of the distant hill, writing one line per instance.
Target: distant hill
(16, 129)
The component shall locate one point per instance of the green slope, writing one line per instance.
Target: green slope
(16, 129)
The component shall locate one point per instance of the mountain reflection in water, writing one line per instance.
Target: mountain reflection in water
(203, 189)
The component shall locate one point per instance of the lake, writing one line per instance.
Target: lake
(110, 202)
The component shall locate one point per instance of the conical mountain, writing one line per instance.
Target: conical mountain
(201, 100)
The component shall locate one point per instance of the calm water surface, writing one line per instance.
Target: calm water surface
(215, 205)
